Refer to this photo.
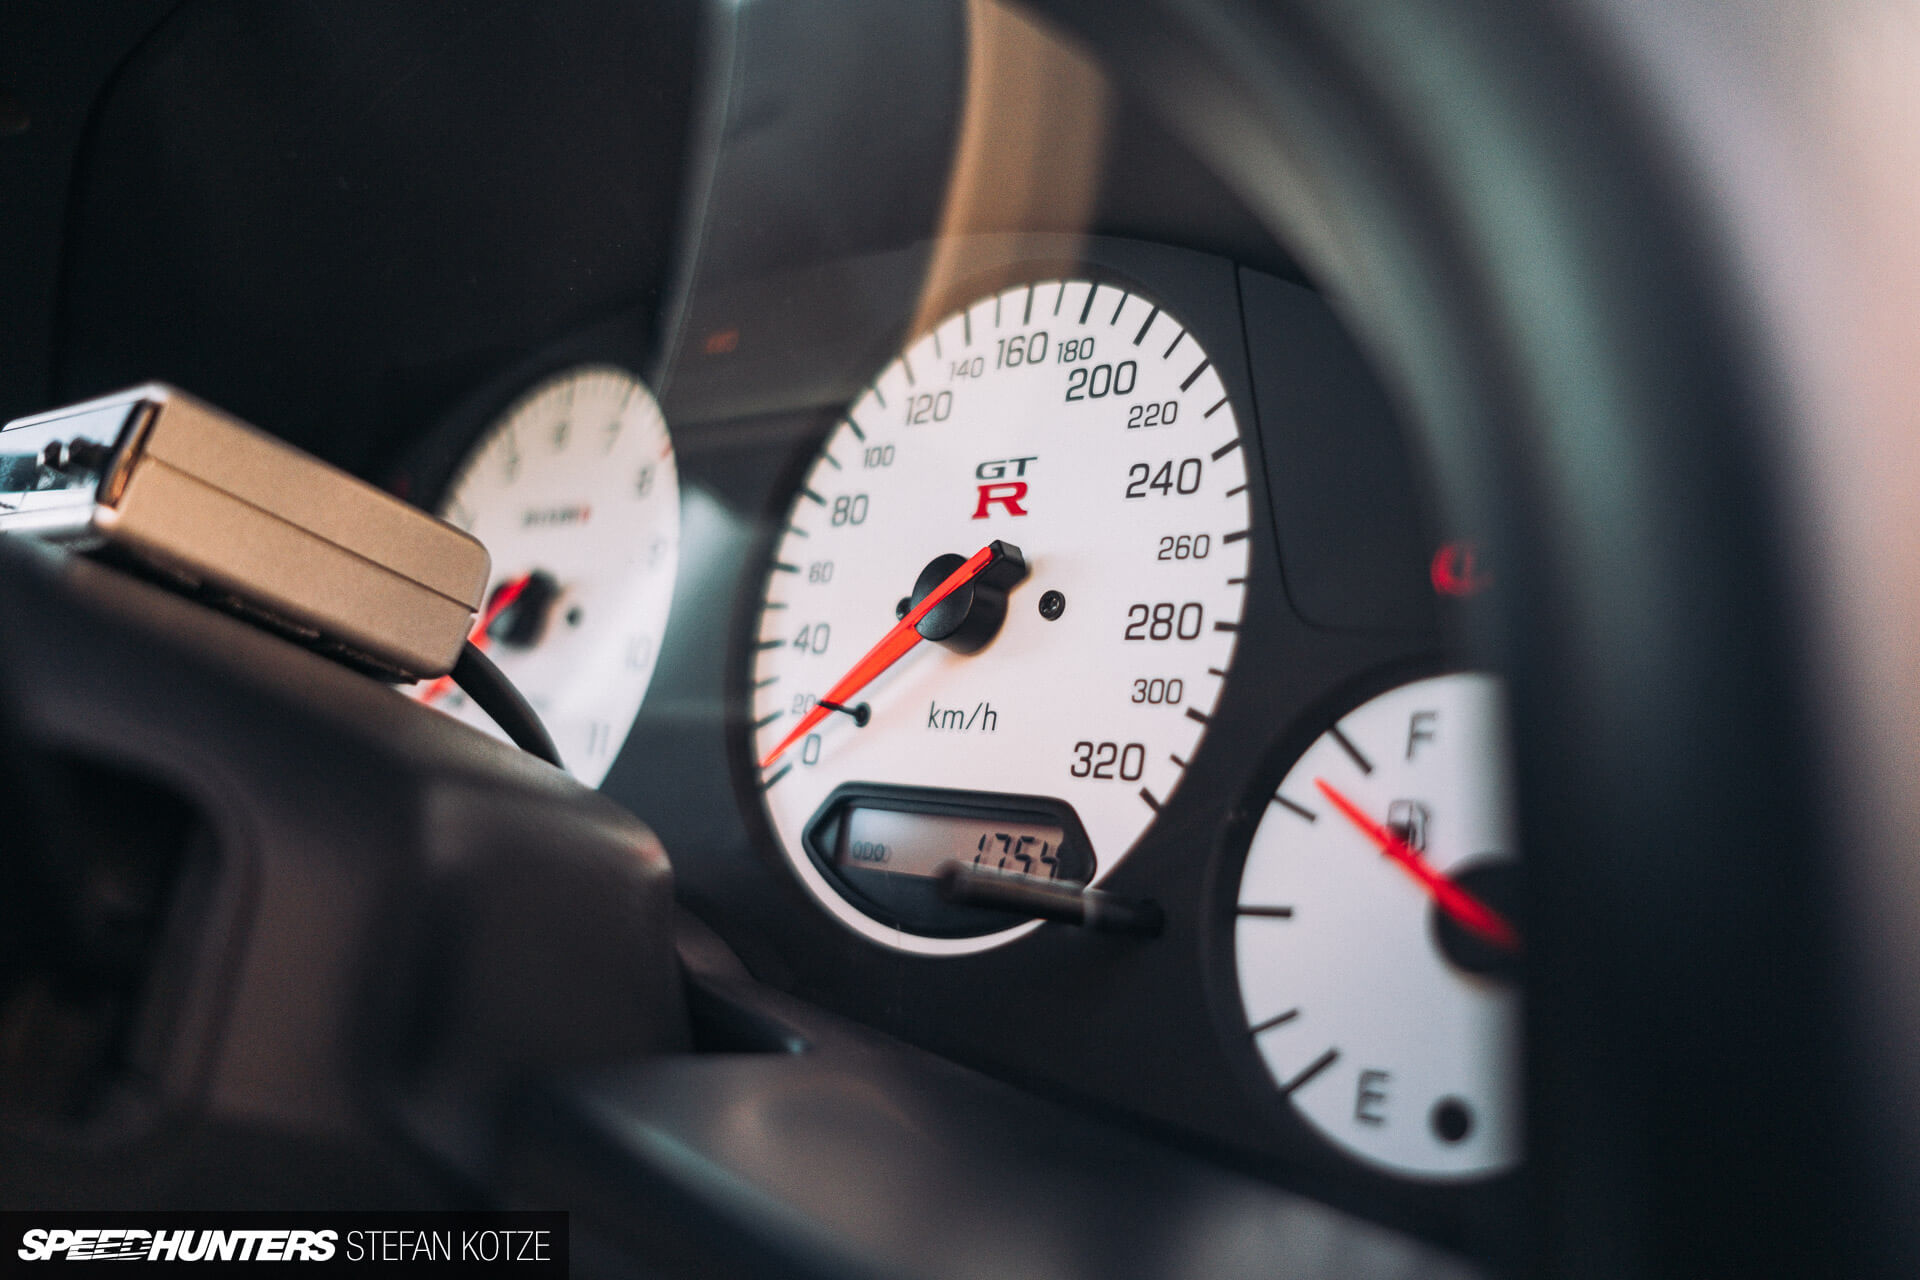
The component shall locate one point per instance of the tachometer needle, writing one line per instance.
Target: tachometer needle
(892, 647)
(503, 598)
(1466, 910)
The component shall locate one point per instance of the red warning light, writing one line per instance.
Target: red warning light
(721, 342)
(1456, 571)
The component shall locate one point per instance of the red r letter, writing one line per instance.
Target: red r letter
(1008, 494)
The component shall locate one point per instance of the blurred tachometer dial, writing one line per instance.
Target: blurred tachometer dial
(575, 494)
(1001, 608)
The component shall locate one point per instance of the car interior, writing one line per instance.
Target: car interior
(1167, 638)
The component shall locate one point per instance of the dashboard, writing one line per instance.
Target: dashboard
(1141, 601)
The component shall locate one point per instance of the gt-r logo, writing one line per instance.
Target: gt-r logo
(1003, 492)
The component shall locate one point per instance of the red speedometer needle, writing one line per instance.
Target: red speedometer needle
(503, 599)
(1466, 910)
(892, 647)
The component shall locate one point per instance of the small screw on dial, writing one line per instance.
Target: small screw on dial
(1052, 605)
(1451, 1120)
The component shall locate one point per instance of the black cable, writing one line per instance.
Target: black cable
(494, 694)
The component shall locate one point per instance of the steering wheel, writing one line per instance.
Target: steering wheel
(1718, 1011)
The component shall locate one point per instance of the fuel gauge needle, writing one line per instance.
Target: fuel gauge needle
(892, 647)
(1466, 910)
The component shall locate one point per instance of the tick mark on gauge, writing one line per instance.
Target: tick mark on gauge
(1226, 626)
(1148, 797)
(774, 604)
(1236, 491)
(1233, 537)
(1346, 745)
(1216, 408)
(1059, 297)
(1195, 375)
(797, 531)
(860, 713)
(1277, 1020)
(785, 769)
(1215, 671)
(1266, 913)
(1226, 448)
(937, 353)
(1171, 345)
(1026, 317)
(764, 645)
(1177, 760)
(858, 434)
(1088, 309)
(781, 566)
(831, 461)
(1314, 1068)
(761, 684)
(1124, 295)
(811, 496)
(879, 398)
(1194, 713)
(906, 368)
(1300, 809)
(766, 720)
(1141, 336)
(966, 328)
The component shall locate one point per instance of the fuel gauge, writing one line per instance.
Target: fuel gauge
(1376, 941)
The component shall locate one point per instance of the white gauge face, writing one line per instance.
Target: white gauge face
(575, 495)
(1085, 426)
(1375, 941)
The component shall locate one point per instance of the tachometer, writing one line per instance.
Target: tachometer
(1001, 608)
(575, 494)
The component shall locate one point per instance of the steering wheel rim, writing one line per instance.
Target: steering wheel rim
(1494, 215)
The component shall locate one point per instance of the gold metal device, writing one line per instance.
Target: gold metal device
(249, 523)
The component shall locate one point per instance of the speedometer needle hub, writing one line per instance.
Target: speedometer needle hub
(903, 637)
(1462, 907)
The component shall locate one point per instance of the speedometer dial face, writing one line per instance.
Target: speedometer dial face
(1071, 445)
(575, 494)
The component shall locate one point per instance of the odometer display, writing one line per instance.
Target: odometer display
(1083, 424)
(919, 844)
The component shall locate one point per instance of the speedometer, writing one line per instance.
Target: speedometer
(1001, 609)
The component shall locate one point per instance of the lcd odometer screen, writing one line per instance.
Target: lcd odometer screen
(918, 844)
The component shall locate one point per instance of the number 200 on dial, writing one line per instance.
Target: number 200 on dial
(1084, 425)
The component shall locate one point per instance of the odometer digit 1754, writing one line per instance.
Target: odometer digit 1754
(1001, 609)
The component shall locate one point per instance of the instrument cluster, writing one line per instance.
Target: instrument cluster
(1080, 696)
